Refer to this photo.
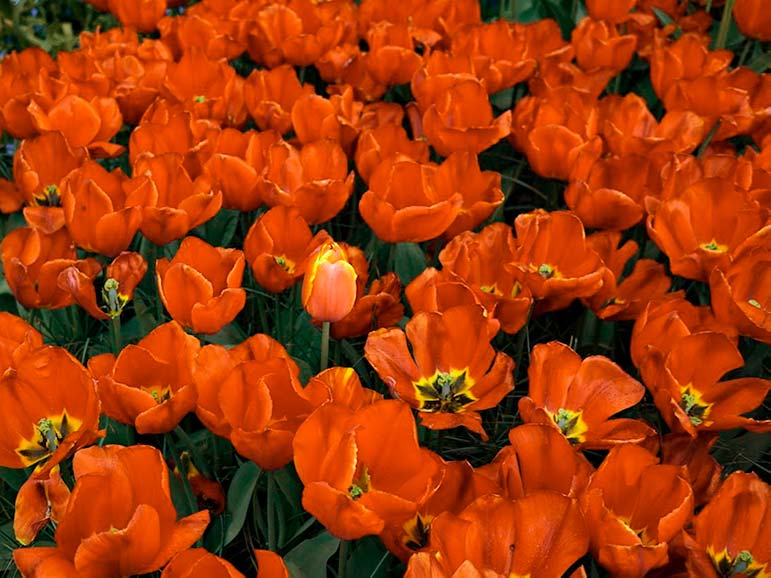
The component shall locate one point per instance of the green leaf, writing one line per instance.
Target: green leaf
(219, 230)
(239, 495)
(309, 558)
(369, 559)
(409, 261)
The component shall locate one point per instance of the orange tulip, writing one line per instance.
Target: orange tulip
(477, 259)
(82, 123)
(539, 458)
(209, 494)
(576, 397)
(557, 132)
(150, 384)
(121, 278)
(270, 565)
(499, 53)
(315, 117)
(32, 262)
(699, 227)
(315, 179)
(37, 502)
(598, 45)
(177, 202)
(142, 15)
(387, 140)
(199, 563)
(379, 307)
(17, 337)
(209, 89)
(540, 536)
(408, 201)
(120, 519)
(214, 364)
(633, 508)
(462, 120)
(752, 20)
(694, 453)
(625, 299)
(731, 534)
(22, 75)
(329, 285)
(739, 294)
(270, 95)
(103, 209)
(610, 10)
(392, 59)
(443, 379)
(56, 410)
(201, 286)
(460, 486)
(363, 468)
(558, 264)
(690, 397)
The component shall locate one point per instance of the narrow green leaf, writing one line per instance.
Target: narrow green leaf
(409, 261)
(239, 495)
(219, 230)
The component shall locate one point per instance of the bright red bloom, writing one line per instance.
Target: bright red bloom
(150, 384)
(731, 535)
(578, 397)
(363, 469)
(120, 519)
(201, 286)
(444, 379)
(633, 508)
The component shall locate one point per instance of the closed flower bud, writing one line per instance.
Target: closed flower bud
(329, 287)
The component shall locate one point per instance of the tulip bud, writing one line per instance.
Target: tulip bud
(329, 286)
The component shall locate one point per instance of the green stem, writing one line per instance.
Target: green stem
(725, 25)
(192, 503)
(117, 343)
(342, 558)
(324, 345)
(271, 513)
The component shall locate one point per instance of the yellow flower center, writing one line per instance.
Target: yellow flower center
(417, 531)
(50, 197)
(714, 246)
(546, 271)
(445, 392)
(287, 264)
(743, 564)
(114, 301)
(693, 405)
(571, 424)
(50, 432)
(361, 483)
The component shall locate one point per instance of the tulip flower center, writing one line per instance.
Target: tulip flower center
(286, 264)
(547, 271)
(50, 196)
(417, 531)
(445, 392)
(743, 564)
(714, 246)
(694, 406)
(571, 425)
(360, 484)
(49, 433)
(200, 99)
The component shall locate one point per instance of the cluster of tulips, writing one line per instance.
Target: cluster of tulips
(144, 133)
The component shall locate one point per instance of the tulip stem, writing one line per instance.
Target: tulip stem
(324, 345)
(342, 558)
(117, 343)
(725, 25)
